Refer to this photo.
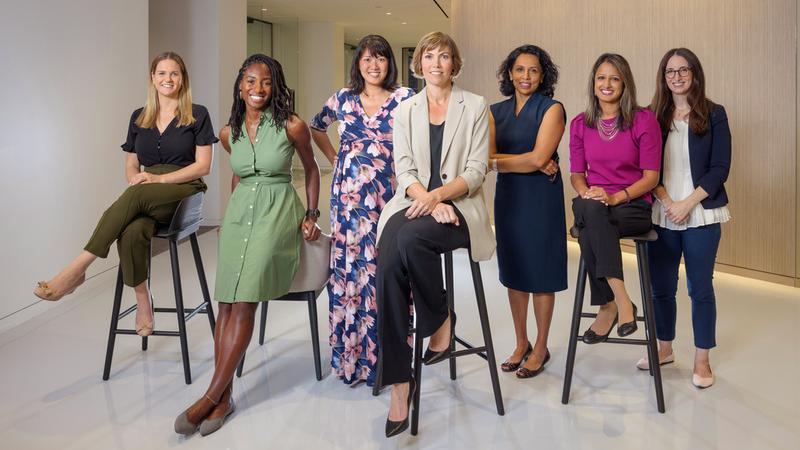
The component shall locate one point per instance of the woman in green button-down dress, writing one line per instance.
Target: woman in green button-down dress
(259, 243)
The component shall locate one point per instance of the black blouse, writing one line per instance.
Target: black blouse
(176, 145)
(436, 135)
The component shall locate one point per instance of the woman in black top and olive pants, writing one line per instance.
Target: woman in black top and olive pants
(171, 138)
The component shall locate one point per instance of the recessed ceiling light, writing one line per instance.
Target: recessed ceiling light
(388, 14)
(403, 23)
(263, 9)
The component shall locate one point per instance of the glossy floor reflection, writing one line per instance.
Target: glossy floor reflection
(52, 395)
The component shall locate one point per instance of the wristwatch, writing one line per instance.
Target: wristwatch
(312, 213)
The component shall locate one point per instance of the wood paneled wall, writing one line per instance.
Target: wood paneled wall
(749, 51)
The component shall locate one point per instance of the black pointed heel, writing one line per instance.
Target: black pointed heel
(432, 357)
(394, 428)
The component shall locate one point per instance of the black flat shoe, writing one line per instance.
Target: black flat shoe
(626, 329)
(590, 337)
(431, 357)
(394, 428)
(522, 372)
(509, 366)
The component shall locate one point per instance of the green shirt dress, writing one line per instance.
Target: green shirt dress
(259, 241)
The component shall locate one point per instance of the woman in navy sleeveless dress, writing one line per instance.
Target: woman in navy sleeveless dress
(529, 215)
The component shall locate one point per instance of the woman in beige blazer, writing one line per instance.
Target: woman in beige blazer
(441, 147)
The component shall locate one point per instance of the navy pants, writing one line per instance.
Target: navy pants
(699, 249)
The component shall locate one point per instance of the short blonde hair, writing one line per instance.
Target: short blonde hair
(434, 40)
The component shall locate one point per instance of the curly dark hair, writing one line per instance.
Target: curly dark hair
(549, 70)
(280, 102)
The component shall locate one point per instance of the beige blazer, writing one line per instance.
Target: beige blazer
(465, 153)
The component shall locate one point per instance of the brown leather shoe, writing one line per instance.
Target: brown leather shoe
(509, 366)
(523, 372)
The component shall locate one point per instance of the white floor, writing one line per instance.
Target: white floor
(52, 395)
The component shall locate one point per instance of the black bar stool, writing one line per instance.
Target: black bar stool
(305, 296)
(486, 351)
(185, 223)
(647, 306)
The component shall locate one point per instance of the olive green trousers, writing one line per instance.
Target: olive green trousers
(132, 219)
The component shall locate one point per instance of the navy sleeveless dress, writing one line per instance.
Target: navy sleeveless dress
(530, 222)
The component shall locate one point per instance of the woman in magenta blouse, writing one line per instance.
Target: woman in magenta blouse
(615, 158)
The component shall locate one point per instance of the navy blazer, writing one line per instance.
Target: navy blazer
(709, 158)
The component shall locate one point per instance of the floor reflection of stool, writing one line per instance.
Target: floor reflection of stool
(486, 351)
(185, 223)
(648, 319)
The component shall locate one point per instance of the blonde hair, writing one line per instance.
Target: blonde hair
(434, 40)
(627, 102)
(147, 118)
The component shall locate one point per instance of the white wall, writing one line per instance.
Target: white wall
(321, 71)
(72, 74)
(211, 37)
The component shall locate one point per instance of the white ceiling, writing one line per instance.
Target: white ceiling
(362, 17)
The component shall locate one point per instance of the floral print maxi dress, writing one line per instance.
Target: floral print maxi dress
(363, 181)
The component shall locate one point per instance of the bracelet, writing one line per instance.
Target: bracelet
(627, 195)
(494, 164)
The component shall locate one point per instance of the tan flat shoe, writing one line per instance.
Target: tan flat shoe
(702, 382)
(644, 364)
(147, 329)
(44, 292)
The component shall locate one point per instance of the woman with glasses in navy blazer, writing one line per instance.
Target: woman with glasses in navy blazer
(691, 204)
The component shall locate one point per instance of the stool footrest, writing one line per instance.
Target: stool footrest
(585, 315)
(470, 349)
(155, 333)
(620, 341)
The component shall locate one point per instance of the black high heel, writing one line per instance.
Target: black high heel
(432, 357)
(628, 328)
(394, 428)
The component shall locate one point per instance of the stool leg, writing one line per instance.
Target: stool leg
(176, 281)
(650, 321)
(477, 281)
(112, 330)
(263, 325)
(448, 283)
(580, 290)
(201, 275)
(241, 366)
(418, 380)
(312, 315)
(149, 292)
(376, 388)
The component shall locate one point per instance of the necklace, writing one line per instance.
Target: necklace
(607, 132)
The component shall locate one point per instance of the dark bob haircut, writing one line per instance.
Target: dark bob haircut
(549, 71)
(377, 46)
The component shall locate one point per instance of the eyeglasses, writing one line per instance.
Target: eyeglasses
(682, 71)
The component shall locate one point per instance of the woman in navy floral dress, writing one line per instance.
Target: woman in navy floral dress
(363, 181)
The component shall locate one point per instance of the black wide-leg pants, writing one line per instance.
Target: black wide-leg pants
(409, 265)
(600, 228)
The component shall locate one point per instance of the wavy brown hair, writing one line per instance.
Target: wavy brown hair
(664, 106)
(147, 118)
(627, 102)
